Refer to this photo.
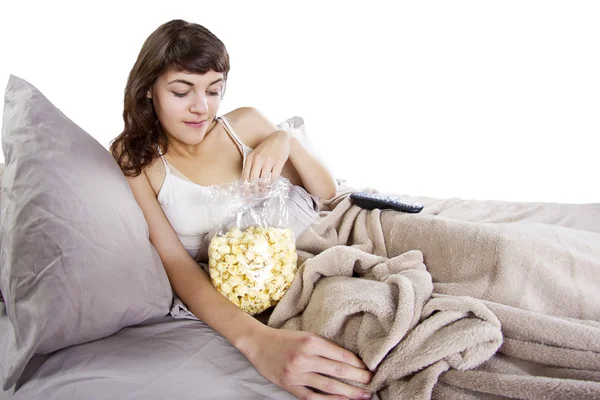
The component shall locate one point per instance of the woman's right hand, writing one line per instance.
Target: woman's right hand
(295, 360)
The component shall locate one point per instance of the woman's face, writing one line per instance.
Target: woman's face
(186, 103)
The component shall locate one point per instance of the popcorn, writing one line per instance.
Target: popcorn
(253, 267)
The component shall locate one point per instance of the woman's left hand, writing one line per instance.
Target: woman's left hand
(268, 158)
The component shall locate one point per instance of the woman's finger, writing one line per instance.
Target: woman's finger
(330, 385)
(277, 168)
(256, 169)
(339, 369)
(330, 350)
(267, 169)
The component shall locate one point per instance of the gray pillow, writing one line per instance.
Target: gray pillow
(76, 263)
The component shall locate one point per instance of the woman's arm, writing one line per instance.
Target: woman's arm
(302, 168)
(187, 279)
(293, 360)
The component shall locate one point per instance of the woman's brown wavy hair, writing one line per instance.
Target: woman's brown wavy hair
(176, 45)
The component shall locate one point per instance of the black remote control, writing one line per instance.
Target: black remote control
(370, 201)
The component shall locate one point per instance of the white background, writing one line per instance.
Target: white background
(472, 99)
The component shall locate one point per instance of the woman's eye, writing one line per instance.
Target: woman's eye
(214, 93)
(180, 94)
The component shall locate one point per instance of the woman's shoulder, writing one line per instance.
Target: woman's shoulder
(242, 114)
(155, 173)
(251, 125)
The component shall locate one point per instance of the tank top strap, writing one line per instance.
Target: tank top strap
(165, 163)
(234, 136)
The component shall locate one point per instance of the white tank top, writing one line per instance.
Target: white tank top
(185, 202)
(187, 205)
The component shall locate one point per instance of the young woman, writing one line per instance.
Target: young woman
(172, 147)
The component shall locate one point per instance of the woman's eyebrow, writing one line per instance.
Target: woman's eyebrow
(190, 83)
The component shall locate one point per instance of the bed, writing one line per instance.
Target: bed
(162, 358)
(466, 300)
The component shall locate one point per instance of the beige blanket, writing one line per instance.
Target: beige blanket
(468, 299)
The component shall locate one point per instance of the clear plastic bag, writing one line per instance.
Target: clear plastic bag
(252, 256)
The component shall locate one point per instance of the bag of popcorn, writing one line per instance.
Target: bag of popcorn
(252, 258)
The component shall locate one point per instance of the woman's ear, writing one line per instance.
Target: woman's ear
(149, 94)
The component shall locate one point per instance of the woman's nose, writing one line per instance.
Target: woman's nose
(199, 104)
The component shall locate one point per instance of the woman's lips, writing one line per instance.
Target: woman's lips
(195, 124)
